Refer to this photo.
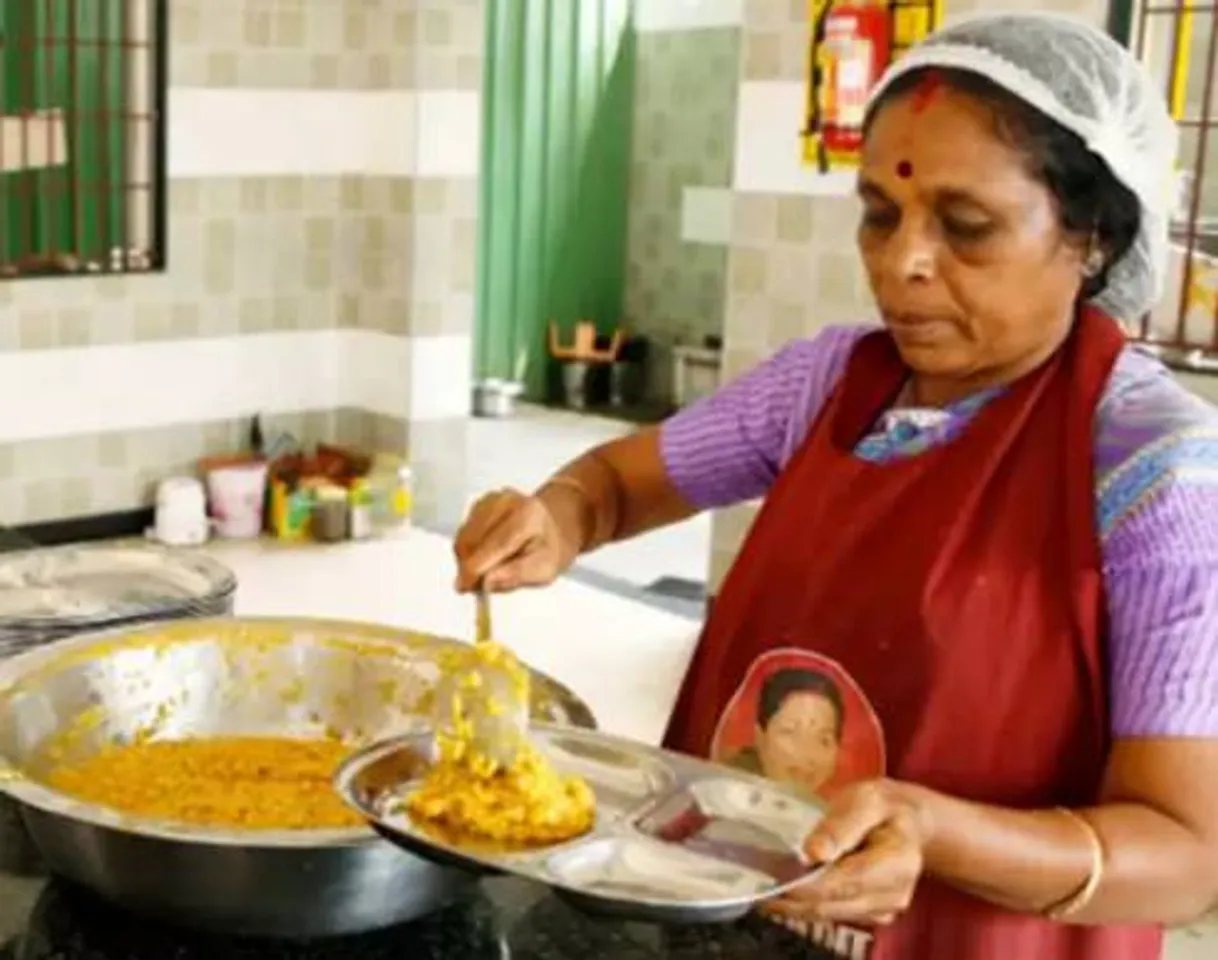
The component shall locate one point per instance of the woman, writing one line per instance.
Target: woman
(995, 516)
(798, 730)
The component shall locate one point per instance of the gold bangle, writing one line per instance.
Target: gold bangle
(1079, 900)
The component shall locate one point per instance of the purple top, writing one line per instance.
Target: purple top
(1156, 456)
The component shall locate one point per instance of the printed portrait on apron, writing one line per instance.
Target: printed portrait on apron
(800, 719)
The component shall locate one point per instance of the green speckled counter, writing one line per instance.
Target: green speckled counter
(43, 919)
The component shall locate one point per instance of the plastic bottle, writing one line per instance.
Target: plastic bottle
(360, 505)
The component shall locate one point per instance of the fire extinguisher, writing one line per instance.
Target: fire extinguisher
(854, 45)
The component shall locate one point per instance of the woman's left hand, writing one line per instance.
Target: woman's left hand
(873, 838)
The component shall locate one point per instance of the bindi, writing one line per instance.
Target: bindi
(904, 169)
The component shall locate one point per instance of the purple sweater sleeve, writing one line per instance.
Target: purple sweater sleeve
(1161, 574)
(728, 447)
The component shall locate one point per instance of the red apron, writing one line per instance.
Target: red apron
(938, 619)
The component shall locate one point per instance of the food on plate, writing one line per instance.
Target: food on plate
(468, 798)
(240, 783)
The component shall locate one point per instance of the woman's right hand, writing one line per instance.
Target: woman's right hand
(511, 540)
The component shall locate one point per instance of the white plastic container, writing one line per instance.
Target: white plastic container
(237, 495)
(181, 513)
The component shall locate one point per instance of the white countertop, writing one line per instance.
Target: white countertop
(624, 658)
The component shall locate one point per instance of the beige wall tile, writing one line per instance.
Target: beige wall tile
(794, 219)
(754, 219)
(63, 477)
(740, 358)
(289, 44)
(776, 40)
(763, 55)
(792, 272)
(250, 255)
(439, 456)
(445, 251)
(750, 314)
(772, 15)
(793, 269)
(449, 51)
(684, 115)
(747, 272)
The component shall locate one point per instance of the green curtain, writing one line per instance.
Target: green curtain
(67, 55)
(557, 99)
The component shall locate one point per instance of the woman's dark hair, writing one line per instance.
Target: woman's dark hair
(1091, 201)
(784, 683)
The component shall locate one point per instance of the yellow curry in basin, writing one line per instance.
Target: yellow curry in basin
(239, 783)
(284, 783)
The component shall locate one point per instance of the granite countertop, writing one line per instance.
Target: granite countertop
(44, 919)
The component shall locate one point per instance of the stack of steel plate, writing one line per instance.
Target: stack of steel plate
(50, 593)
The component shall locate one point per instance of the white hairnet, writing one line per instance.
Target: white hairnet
(1090, 84)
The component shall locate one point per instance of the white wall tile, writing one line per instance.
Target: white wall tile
(393, 118)
(769, 117)
(448, 125)
(53, 393)
(706, 215)
(376, 372)
(423, 378)
(441, 376)
(217, 133)
(658, 15)
(230, 133)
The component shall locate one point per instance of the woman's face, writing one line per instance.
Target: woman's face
(971, 270)
(800, 743)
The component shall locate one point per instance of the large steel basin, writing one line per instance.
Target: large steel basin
(231, 676)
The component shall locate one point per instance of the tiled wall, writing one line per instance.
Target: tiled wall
(684, 123)
(323, 159)
(293, 44)
(792, 266)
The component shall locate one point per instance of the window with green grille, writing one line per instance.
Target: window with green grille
(81, 136)
(1178, 42)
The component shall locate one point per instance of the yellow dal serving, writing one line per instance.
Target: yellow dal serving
(468, 799)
